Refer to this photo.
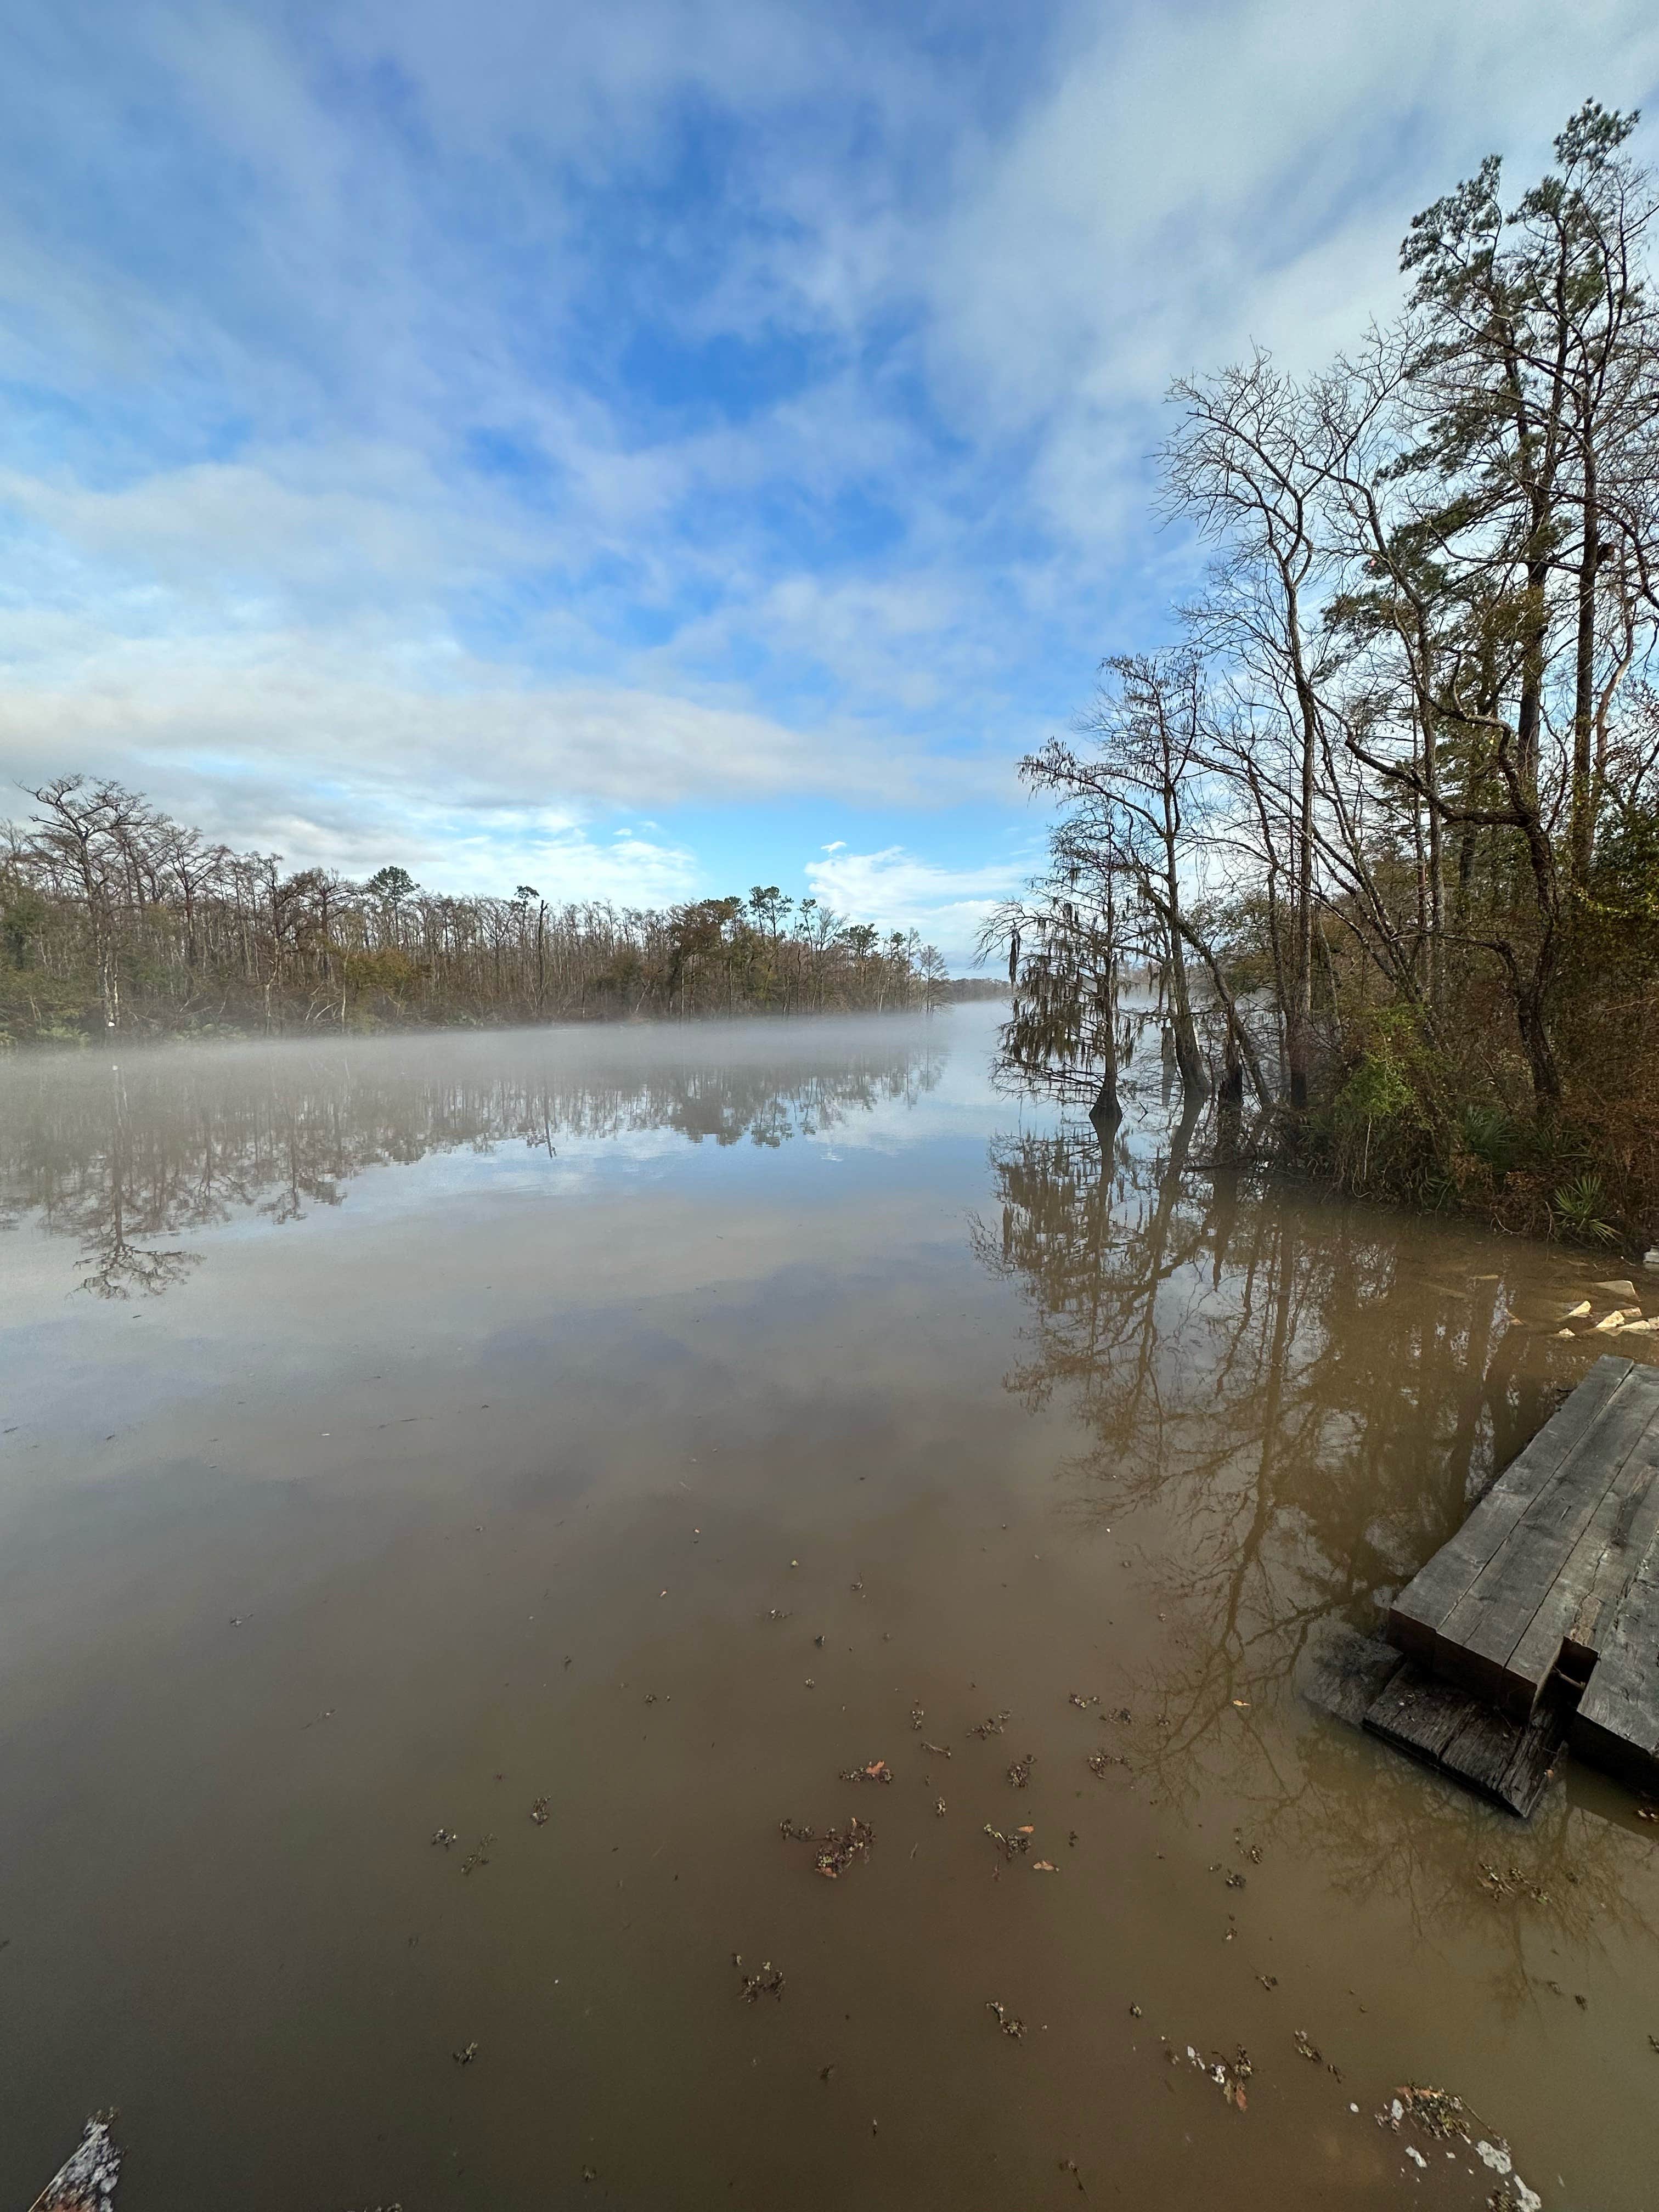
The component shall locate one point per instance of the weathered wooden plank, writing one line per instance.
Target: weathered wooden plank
(1474, 1643)
(1510, 1761)
(1421, 1610)
(1346, 1672)
(1418, 1714)
(1601, 1557)
(1633, 1539)
(1617, 1724)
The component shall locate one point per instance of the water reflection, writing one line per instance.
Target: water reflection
(1289, 1406)
(126, 1160)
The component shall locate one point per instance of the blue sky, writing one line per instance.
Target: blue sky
(642, 449)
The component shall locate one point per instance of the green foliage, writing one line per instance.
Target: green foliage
(392, 886)
(1377, 1092)
(24, 914)
(1491, 1137)
(1578, 1206)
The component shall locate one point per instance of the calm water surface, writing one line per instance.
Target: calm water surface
(650, 1429)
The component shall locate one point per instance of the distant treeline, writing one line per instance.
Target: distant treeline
(113, 917)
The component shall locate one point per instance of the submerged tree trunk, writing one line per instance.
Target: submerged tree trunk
(1107, 1107)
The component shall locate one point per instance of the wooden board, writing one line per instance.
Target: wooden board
(1633, 1538)
(1460, 1735)
(1617, 1724)
(1551, 1589)
(1345, 1673)
(1511, 1762)
(1419, 1612)
(1504, 1637)
(1418, 1714)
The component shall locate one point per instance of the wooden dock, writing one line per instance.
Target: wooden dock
(1539, 1622)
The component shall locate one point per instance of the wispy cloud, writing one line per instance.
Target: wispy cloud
(898, 889)
(419, 417)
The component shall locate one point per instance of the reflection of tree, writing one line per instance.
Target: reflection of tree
(1307, 1415)
(165, 1147)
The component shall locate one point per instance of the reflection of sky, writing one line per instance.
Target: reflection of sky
(802, 1083)
(424, 1266)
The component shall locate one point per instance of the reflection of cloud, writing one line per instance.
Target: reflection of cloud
(182, 1143)
(896, 890)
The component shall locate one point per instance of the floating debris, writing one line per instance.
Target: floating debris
(1100, 1760)
(1019, 1841)
(478, 1855)
(1436, 2111)
(1514, 2195)
(1228, 2075)
(539, 1809)
(1306, 2049)
(917, 1717)
(838, 1848)
(1082, 1702)
(446, 1837)
(939, 1750)
(939, 1814)
(768, 1982)
(1135, 2012)
(85, 2180)
(857, 1588)
(1044, 1866)
(1020, 1773)
(465, 2054)
(876, 1770)
(1011, 2027)
(1124, 1715)
(991, 1727)
(1235, 1880)
(1508, 1881)
(1268, 1981)
(780, 1612)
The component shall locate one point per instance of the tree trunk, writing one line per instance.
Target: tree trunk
(1581, 822)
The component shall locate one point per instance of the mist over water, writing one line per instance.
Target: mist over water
(655, 1427)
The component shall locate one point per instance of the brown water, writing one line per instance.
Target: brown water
(398, 1434)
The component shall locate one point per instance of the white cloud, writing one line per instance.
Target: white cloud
(194, 723)
(896, 890)
(271, 271)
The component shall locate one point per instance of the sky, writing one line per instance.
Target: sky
(647, 450)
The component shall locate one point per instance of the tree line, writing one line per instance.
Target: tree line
(1382, 807)
(114, 919)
